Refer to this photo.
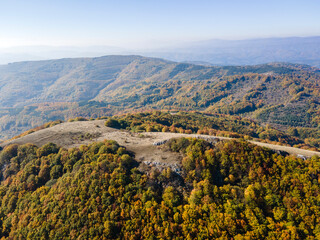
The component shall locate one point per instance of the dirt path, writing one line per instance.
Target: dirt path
(294, 151)
(74, 134)
(290, 150)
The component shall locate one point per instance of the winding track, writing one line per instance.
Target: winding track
(72, 134)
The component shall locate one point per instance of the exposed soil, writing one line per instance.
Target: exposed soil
(74, 134)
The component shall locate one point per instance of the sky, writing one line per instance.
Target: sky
(151, 23)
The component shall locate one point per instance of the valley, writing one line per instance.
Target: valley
(156, 120)
(233, 149)
(129, 147)
(32, 93)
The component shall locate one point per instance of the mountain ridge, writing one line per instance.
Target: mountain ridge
(32, 93)
(68, 72)
(302, 50)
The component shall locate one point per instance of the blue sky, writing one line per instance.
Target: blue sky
(152, 22)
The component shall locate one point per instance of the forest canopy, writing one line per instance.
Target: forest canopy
(232, 189)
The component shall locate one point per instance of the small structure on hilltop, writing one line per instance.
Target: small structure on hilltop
(158, 143)
(212, 140)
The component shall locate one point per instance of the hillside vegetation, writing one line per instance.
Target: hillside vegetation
(171, 122)
(228, 190)
(214, 124)
(32, 93)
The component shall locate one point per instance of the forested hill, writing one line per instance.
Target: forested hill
(94, 78)
(229, 190)
(85, 78)
(32, 93)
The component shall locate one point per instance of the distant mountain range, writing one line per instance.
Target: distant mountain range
(35, 92)
(302, 50)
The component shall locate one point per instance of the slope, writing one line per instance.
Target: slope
(226, 190)
(32, 93)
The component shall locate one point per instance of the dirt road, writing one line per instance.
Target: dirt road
(74, 134)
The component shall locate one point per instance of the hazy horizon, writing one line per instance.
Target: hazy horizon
(151, 24)
(218, 32)
(304, 50)
(157, 46)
